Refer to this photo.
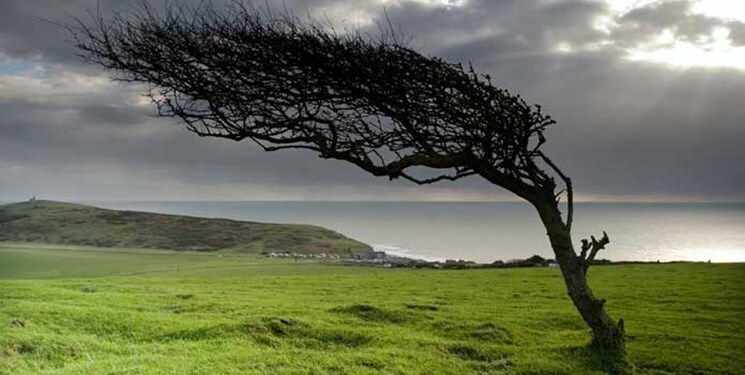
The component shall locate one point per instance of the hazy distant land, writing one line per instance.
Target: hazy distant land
(489, 231)
(53, 222)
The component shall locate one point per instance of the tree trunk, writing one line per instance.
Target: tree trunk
(608, 335)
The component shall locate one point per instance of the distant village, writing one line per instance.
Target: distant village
(385, 260)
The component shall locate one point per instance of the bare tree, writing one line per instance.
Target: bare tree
(247, 73)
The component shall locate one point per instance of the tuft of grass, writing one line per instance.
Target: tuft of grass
(375, 314)
(414, 306)
(88, 289)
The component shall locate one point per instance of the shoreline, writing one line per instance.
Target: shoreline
(488, 232)
(397, 252)
(392, 260)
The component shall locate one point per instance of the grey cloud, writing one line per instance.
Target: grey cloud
(625, 127)
(34, 29)
(644, 24)
(737, 33)
(504, 28)
(28, 29)
(56, 135)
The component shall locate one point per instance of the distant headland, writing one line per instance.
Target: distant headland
(51, 222)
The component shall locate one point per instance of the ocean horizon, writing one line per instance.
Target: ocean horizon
(489, 231)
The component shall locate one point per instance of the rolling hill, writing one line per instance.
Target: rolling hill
(53, 222)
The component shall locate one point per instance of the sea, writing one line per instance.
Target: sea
(489, 231)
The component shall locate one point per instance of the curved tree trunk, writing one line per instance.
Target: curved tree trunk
(608, 335)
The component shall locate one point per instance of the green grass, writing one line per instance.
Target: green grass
(73, 224)
(44, 261)
(242, 315)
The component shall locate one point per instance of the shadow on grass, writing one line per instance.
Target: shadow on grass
(481, 360)
(593, 358)
(489, 332)
(374, 314)
(273, 332)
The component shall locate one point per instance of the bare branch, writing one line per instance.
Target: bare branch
(567, 183)
(593, 246)
(252, 73)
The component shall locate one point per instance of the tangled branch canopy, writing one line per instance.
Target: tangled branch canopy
(285, 83)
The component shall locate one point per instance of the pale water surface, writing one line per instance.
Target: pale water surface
(485, 232)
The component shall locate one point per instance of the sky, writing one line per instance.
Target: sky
(649, 99)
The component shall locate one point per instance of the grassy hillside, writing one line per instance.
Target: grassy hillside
(74, 224)
(240, 315)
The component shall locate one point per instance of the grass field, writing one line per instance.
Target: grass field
(114, 311)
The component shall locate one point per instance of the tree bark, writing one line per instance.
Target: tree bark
(607, 334)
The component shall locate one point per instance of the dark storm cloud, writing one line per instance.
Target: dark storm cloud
(53, 136)
(644, 24)
(500, 29)
(31, 29)
(640, 128)
(625, 128)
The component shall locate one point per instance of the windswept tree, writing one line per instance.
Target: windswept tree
(284, 83)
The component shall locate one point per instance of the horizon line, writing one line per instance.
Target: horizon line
(4, 201)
